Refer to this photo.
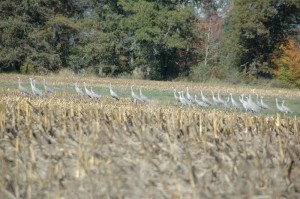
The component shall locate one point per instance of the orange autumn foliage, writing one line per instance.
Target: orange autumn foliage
(288, 62)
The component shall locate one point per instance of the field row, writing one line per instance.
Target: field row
(75, 148)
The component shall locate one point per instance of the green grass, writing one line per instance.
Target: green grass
(162, 95)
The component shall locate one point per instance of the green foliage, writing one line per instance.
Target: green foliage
(254, 29)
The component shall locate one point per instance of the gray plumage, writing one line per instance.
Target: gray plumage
(95, 95)
(47, 88)
(263, 104)
(175, 96)
(188, 96)
(113, 94)
(285, 108)
(204, 99)
(142, 96)
(200, 103)
(35, 90)
(134, 96)
(78, 90)
(234, 103)
(23, 89)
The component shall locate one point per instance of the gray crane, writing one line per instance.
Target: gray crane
(47, 88)
(182, 99)
(200, 103)
(143, 97)
(113, 94)
(263, 104)
(257, 101)
(221, 101)
(78, 90)
(175, 96)
(95, 95)
(254, 107)
(234, 103)
(285, 108)
(278, 106)
(204, 99)
(35, 90)
(215, 100)
(134, 96)
(23, 89)
(89, 93)
(188, 96)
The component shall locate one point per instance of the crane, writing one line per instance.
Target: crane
(285, 108)
(35, 90)
(143, 97)
(23, 89)
(253, 106)
(215, 100)
(234, 103)
(47, 88)
(78, 90)
(263, 104)
(95, 95)
(188, 96)
(134, 96)
(183, 101)
(200, 103)
(204, 99)
(175, 96)
(113, 94)
(278, 106)
(89, 93)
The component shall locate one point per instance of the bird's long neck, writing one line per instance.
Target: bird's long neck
(19, 81)
(31, 84)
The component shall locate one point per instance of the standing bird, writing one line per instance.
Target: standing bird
(89, 93)
(204, 99)
(278, 106)
(183, 101)
(35, 90)
(134, 96)
(113, 94)
(263, 104)
(95, 95)
(143, 97)
(234, 103)
(254, 107)
(23, 89)
(188, 96)
(200, 103)
(285, 108)
(78, 90)
(215, 100)
(221, 101)
(47, 88)
(175, 96)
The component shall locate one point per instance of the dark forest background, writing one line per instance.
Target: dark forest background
(233, 40)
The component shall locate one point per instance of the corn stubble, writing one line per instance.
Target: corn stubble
(70, 147)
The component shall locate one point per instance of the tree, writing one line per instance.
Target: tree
(287, 61)
(254, 29)
(160, 36)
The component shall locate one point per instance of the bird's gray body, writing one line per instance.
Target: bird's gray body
(113, 94)
(23, 89)
(35, 90)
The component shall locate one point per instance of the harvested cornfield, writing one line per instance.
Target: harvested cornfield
(66, 146)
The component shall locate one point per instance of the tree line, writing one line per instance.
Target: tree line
(157, 39)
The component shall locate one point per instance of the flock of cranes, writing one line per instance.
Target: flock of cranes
(89, 92)
(185, 99)
(245, 102)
